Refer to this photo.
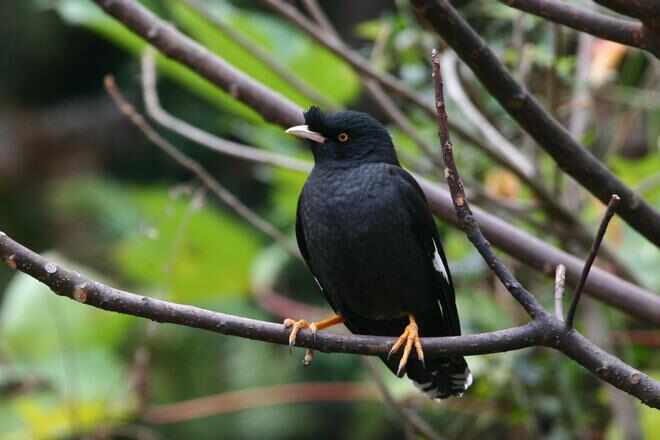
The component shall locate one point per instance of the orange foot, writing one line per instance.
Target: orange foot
(296, 326)
(409, 337)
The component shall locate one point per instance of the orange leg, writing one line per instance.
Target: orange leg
(409, 337)
(314, 326)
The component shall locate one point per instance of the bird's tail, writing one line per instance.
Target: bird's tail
(441, 377)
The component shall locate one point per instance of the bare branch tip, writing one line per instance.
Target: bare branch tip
(109, 82)
(560, 280)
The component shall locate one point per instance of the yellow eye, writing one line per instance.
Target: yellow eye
(343, 137)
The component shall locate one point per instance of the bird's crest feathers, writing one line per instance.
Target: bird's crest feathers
(315, 119)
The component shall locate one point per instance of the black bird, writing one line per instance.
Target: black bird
(366, 232)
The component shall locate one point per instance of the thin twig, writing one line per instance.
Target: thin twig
(462, 208)
(263, 56)
(194, 167)
(504, 153)
(233, 401)
(609, 212)
(385, 103)
(560, 280)
(362, 65)
(233, 149)
(319, 16)
(535, 253)
(499, 148)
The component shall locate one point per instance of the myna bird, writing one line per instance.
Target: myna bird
(366, 232)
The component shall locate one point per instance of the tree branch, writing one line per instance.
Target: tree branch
(223, 146)
(360, 64)
(262, 55)
(648, 11)
(529, 250)
(84, 290)
(628, 32)
(546, 332)
(505, 150)
(609, 212)
(565, 338)
(491, 145)
(523, 107)
(177, 46)
(232, 401)
(464, 213)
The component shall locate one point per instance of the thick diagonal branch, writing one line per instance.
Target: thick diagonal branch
(546, 131)
(628, 32)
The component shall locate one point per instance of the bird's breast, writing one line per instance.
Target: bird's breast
(361, 242)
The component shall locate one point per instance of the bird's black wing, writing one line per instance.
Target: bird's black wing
(302, 245)
(427, 235)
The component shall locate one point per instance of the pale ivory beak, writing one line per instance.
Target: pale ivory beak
(303, 131)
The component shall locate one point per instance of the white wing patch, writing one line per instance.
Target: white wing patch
(438, 264)
(318, 284)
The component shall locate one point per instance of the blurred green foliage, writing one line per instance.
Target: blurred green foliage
(160, 234)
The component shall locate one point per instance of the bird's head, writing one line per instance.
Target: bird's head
(345, 137)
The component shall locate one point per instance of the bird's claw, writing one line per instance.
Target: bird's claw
(409, 337)
(296, 326)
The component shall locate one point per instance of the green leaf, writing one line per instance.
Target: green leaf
(326, 73)
(88, 15)
(73, 348)
(35, 322)
(191, 253)
(92, 391)
(633, 172)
